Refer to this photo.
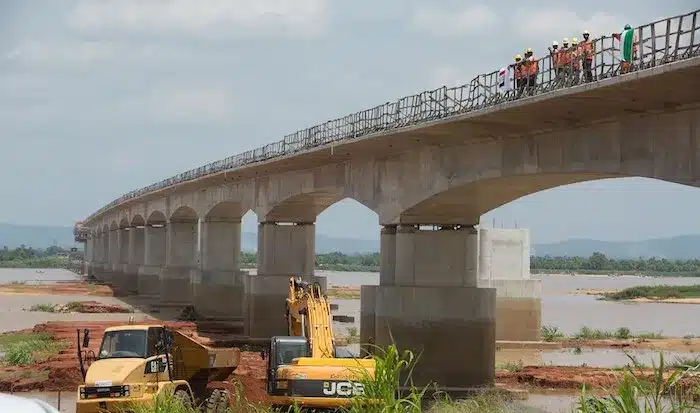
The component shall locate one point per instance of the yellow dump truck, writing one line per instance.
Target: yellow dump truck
(137, 362)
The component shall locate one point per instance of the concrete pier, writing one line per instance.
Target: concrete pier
(181, 266)
(219, 291)
(504, 264)
(428, 302)
(154, 260)
(284, 251)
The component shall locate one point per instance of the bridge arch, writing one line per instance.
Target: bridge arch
(124, 223)
(225, 211)
(156, 218)
(459, 184)
(113, 226)
(138, 221)
(307, 206)
(184, 214)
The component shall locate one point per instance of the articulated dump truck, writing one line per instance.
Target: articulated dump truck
(137, 362)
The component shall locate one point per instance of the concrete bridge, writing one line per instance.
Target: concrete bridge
(429, 165)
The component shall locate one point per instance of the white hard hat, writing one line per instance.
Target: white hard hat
(555, 43)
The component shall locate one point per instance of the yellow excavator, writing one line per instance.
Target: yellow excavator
(304, 367)
(137, 362)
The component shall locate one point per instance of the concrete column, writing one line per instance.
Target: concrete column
(90, 256)
(387, 249)
(112, 256)
(181, 266)
(219, 292)
(445, 257)
(284, 251)
(128, 282)
(435, 306)
(102, 252)
(118, 256)
(154, 261)
(504, 264)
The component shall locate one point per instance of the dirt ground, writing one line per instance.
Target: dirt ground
(71, 288)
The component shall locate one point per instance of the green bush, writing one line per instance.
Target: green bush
(637, 392)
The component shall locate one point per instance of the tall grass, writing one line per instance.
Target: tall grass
(21, 349)
(638, 391)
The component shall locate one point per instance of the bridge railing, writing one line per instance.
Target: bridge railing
(657, 43)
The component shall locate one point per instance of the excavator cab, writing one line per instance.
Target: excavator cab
(283, 350)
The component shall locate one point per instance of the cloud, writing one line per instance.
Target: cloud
(469, 20)
(204, 18)
(556, 24)
(203, 104)
(448, 76)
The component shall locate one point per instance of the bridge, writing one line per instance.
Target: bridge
(429, 165)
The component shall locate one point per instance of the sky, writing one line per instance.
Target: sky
(101, 97)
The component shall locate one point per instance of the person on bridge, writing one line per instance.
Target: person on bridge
(554, 56)
(519, 73)
(628, 48)
(575, 60)
(587, 55)
(565, 58)
(532, 65)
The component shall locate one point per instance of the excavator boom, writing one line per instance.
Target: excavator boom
(309, 315)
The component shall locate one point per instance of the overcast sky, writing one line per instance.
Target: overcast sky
(101, 97)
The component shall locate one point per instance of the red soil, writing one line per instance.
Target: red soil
(64, 372)
(72, 288)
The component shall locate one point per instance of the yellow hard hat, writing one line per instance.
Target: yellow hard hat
(518, 57)
(528, 50)
(566, 40)
(574, 41)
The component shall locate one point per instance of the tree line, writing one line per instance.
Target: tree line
(596, 263)
(24, 256)
(28, 257)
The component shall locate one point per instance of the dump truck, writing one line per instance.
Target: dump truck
(304, 368)
(134, 363)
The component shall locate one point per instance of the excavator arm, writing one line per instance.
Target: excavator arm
(309, 315)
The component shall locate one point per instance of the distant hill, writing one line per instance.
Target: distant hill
(13, 236)
(680, 247)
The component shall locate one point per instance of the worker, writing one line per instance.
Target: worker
(628, 48)
(575, 60)
(587, 55)
(518, 68)
(564, 59)
(554, 56)
(532, 68)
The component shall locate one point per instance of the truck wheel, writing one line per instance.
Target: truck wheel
(184, 397)
(217, 402)
(224, 401)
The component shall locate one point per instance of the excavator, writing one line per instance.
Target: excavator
(304, 368)
(137, 362)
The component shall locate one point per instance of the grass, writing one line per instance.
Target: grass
(655, 292)
(551, 333)
(46, 308)
(27, 348)
(638, 392)
(28, 375)
(353, 335)
(510, 366)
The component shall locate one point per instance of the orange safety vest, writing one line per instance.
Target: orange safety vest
(517, 67)
(587, 49)
(555, 58)
(534, 65)
(563, 57)
(575, 53)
